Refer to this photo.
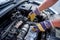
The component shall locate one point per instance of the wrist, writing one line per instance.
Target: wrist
(37, 11)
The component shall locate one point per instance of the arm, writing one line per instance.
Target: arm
(46, 4)
(56, 22)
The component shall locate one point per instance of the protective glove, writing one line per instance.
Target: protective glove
(42, 26)
(33, 14)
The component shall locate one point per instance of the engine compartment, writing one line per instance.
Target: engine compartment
(14, 25)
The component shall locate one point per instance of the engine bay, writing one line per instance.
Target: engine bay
(15, 25)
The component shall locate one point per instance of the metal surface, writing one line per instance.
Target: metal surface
(21, 29)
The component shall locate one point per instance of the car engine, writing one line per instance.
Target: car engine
(14, 23)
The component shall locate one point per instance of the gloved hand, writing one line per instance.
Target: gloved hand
(42, 26)
(33, 14)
